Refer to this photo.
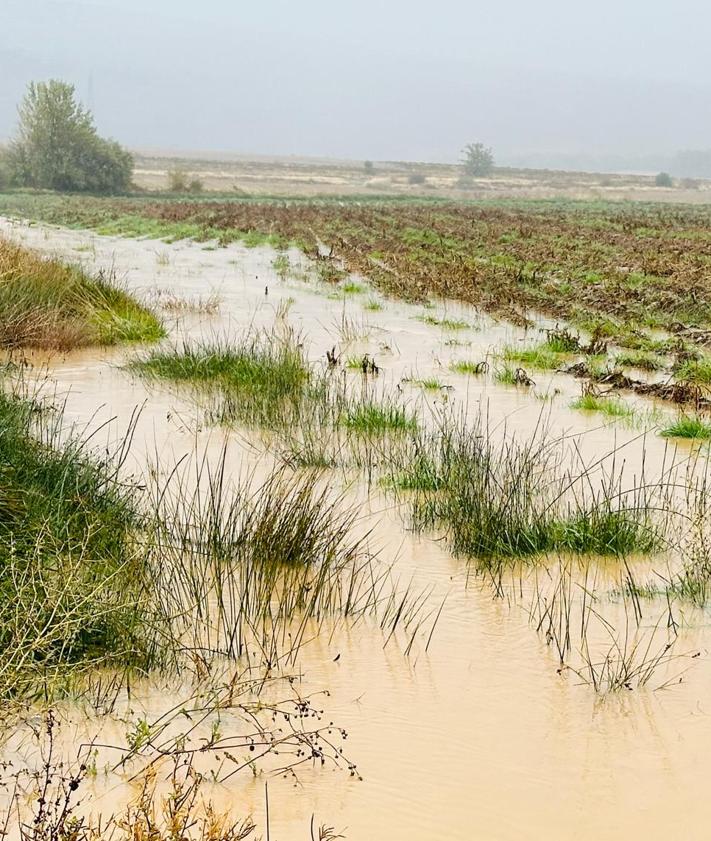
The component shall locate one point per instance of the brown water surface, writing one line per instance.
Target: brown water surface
(479, 736)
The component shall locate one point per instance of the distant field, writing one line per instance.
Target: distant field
(313, 177)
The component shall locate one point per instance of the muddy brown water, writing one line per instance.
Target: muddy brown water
(479, 736)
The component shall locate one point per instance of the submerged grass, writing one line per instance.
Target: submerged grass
(373, 305)
(646, 360)
(236, 565)
(429, 383)
(47, 304)
(544, 357)
(97, 574)
(466, 366)
(508, 375)
(445, 322)
(266, 381)
(695, 372)
(260, 380)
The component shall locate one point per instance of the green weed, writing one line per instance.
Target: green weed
(378, 418)
(465, 366)
(687, 427)
(260, 381)
(611, 406)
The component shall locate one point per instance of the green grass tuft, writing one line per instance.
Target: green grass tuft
(373, 305)
(353, 287)
(611, 406)
(259, 380)
(465, 366)
(643, 359)
(695, 372)
(543, 357)
(445, 323)
(429, 383)
(688, 427)
(508, 375)
(378, 418)
(511, 499)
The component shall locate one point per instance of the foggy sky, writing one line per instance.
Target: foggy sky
(393, 79)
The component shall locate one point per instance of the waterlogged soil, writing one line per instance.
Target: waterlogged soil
(479, 734)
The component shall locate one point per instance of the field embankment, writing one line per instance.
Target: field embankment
(45, 303)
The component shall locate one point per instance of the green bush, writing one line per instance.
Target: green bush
(57, 146)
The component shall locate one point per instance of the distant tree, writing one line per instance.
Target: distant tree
(57, 146)
(180, 182)
(177, 181)
(478, 160)
(663, 179)
(369, 167)
(416, 178)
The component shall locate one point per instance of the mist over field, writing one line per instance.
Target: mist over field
(618, 86)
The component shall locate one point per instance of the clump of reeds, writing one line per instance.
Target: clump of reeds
(94, 573)
(371, 418)
(514, 498)
(566, 611)
(45, 303)
(171, 302)
(241, 566)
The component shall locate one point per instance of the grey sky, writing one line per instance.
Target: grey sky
(395, 79)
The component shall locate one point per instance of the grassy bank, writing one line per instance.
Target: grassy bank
(45, 303)
(71, 574)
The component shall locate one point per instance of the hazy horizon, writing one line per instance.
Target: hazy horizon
(410, 81)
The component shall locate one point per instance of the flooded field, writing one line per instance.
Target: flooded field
(559, 693)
